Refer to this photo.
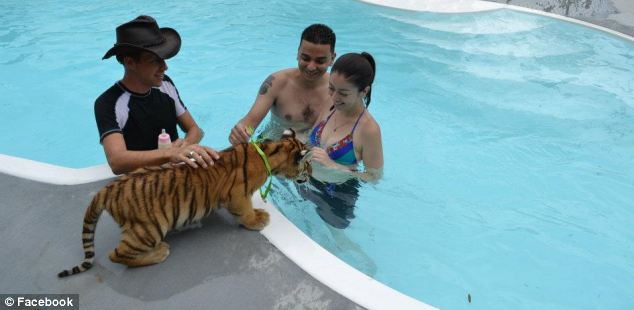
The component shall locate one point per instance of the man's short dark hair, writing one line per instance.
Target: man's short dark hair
(320, 34)
(134, 53)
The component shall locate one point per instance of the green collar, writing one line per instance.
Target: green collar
(255, 142)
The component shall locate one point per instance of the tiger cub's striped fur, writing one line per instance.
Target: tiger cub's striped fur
(150, 202)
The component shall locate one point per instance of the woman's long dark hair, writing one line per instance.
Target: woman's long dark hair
(358, 69)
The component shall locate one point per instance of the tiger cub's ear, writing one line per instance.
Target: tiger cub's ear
(288, 133)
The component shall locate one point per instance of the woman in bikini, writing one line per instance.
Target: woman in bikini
(345, 136)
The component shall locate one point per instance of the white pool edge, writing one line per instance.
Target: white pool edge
(52, 174)
(330, 270)
(284, 235)
(468, 6)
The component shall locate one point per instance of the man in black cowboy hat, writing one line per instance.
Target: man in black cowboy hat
(133, 112)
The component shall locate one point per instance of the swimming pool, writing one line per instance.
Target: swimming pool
(508, 137)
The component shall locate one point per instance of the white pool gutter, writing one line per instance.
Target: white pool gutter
(52, 174)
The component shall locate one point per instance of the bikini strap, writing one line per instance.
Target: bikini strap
(358, 119)
(329, 116)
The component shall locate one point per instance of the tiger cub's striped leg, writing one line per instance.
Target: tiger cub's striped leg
(254, 219)
(157, 255)
(139, 247)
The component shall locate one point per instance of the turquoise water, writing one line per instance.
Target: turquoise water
(509, 138)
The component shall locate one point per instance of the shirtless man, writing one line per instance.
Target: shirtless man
(295, 96)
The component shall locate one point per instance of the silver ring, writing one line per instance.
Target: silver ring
(191, 154)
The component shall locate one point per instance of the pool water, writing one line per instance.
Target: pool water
(508, 137)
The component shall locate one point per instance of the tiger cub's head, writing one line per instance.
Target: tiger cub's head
(296, 164)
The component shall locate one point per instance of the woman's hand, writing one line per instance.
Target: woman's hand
(327, 170)
(320, 156)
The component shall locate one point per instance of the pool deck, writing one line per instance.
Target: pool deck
(612, 16)
(216, 266)
(617, 15)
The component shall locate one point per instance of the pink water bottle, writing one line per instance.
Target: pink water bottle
(164, 141)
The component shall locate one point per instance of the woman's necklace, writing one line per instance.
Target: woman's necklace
(337, 127)
(335, 121)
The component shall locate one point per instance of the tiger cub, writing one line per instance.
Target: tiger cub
(150, 202)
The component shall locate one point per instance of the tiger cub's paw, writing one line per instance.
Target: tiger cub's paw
(260, 220)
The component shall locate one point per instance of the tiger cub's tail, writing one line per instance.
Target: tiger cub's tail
(88, 236)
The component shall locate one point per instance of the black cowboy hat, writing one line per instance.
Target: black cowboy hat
(143, 33)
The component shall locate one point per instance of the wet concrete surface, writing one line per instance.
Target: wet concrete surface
(216, 266)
